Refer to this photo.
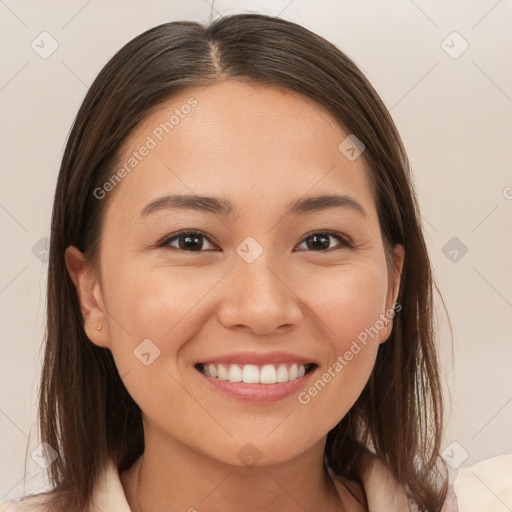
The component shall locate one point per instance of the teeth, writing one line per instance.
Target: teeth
(235, 373)
(222, 372)
(212, 370)
(268, 374)
(282, 373)
(252, 374)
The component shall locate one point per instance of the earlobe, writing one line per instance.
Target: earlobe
(89, 297)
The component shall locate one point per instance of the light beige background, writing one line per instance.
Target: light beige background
(454, 115)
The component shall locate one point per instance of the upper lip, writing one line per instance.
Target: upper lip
(258, 358)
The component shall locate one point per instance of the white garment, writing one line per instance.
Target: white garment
(486, 486)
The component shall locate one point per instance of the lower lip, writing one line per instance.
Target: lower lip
(257, 393)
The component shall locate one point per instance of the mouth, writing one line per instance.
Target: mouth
(266, 375)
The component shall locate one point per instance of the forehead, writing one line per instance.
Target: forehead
(232, 137)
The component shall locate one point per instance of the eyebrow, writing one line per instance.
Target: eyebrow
(224, 207)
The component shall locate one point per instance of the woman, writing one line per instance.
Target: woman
(239, 292)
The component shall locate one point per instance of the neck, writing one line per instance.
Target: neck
(170, 476)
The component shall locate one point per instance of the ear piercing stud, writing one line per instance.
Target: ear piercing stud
(99, 327)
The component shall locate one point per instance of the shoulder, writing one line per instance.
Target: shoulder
(30, 503)
(107, 494)
(473, 485)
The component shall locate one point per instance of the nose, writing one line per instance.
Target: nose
(260, 297)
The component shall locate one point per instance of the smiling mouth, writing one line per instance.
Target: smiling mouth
(256, 374)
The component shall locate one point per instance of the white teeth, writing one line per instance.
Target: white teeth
(268, 374)
(222, 373)
(212, 370)
(282, 374)
(235, 373)
(252, 374)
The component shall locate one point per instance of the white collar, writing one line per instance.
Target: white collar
(108, 493)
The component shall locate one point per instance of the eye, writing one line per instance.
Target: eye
(321, 240)
(189, 241)
(192, 241)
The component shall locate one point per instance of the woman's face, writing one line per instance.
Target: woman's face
(258, 280)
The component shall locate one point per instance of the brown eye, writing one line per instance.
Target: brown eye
(194, 241)
(189, 241)
(321, 241)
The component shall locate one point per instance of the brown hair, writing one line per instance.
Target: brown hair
(85, 412)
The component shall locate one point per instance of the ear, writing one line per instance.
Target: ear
(88, 290)
(392, 294)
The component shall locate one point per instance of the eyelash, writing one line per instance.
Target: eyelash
(344, 241)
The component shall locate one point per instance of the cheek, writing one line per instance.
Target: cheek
(348, 303)
(152, 314)
(347, 299)
(163, 305)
